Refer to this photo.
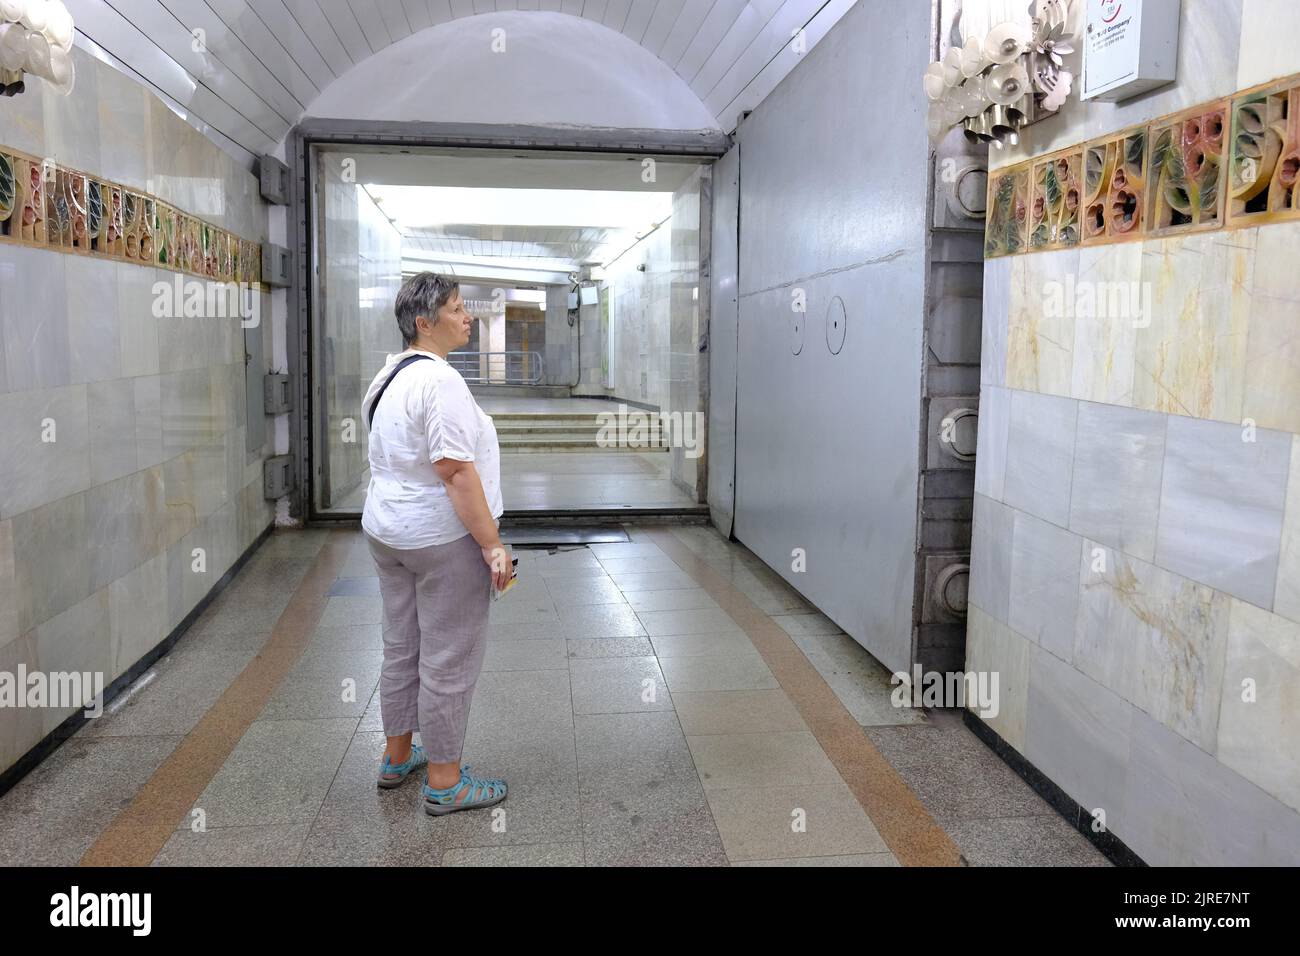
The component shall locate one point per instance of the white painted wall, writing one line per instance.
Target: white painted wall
(540, 69)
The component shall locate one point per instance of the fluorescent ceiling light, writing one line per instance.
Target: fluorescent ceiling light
(415, 207)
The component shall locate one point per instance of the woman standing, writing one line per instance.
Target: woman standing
(431, 518)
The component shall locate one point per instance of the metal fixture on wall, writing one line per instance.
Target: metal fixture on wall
(951, 385)
(999, 81)
(36, 38)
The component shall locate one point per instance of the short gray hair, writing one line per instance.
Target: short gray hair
(422, 294)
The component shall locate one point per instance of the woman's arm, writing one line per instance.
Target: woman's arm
(465, 489)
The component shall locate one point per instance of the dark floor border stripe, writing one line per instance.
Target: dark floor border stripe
(55, 739)
(1111, 846)
(908, 829)
(140, 829)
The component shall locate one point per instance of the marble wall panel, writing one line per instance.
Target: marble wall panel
(147, 408)
(990, 577)
(1190, 360)
(137, 611)
(1040, 455)
(1155, 638)
(1115, 492)
(92, 328)
(997, 302)
(1221, 504)
(34, 318)
(1040, 331)
(1261, 57)
(20, 727)
(1286, 597)
(47, 453)
(1187, 809)
(1044, 584)
(76, 639)
(1259, 717)
(137, 326)
(991, 441)
(1109, 305)
(1077, 733)
(8, 586)
(991, 647)
(112, 429)
(1272, 351)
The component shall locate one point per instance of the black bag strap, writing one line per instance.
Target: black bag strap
(370, 421)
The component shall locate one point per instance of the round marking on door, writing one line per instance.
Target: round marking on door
(836, 325)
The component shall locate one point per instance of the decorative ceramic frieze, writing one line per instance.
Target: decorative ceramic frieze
(1114, 186)
(1220, 165)
(1008, 213)
(1264, 155)
(1187, 169)
(1054, 201)
(49, 205)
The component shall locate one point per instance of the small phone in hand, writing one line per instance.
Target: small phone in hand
(514, 576)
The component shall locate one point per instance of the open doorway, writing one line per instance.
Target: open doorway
(583, 271)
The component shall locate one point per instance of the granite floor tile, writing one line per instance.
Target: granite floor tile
(544, 854)
(259, 846)
(610, 647)
(326, 683)
(687, 621)
(601, 620)
(736, 712)
(731, 761)
(55, 813)
(1045, 840)
(773, 822)
(279, 772)
(672, 599)
(618, 685)
(525, 655)
(727, 671)
(724, 643)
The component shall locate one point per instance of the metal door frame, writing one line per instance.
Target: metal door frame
(302, 293)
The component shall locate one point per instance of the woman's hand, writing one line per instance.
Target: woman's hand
(466, 493)
(498, 559)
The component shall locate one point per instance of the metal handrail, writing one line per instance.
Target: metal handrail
(498, 368)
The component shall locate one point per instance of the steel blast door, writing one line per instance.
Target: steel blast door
(833, 194)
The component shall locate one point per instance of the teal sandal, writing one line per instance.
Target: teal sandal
(392, 774)
(482, 792)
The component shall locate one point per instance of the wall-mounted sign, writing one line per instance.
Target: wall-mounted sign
(1129, 47)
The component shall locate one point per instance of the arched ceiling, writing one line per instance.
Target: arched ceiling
(245, 71)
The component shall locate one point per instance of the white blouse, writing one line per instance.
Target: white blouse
(426, 414)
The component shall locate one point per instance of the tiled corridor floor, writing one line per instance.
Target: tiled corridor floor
(599, 479)
(664, 701)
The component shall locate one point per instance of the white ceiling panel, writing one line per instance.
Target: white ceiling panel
(263, 62)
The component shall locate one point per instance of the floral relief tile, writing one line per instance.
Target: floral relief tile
(1008, 205)
(1264, 155)
(1187, 170)
(1114, 187)
(1056, 188)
